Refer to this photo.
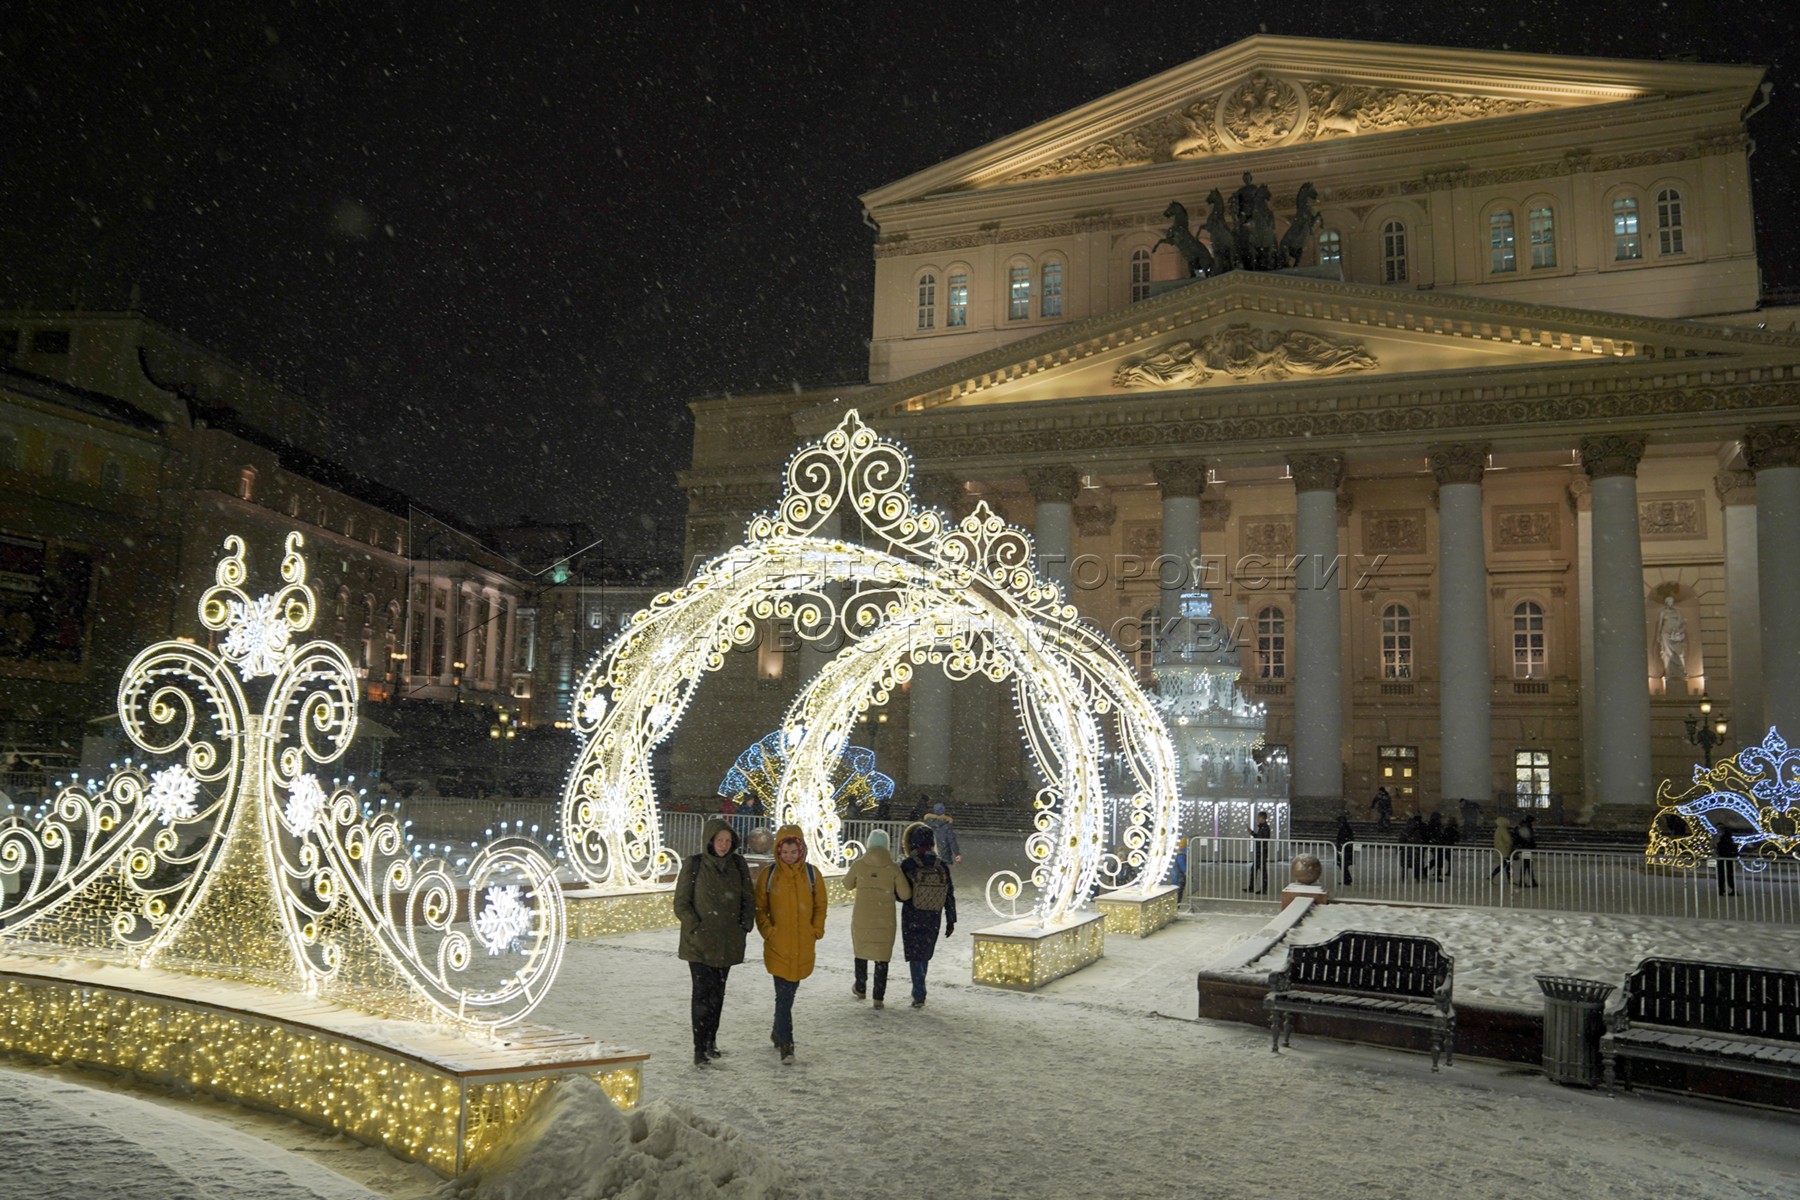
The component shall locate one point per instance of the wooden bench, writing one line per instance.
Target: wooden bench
(1702, 1014)
(1387, 978)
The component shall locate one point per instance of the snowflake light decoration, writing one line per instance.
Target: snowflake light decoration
(1759, 787)
(256, 639)
(174, 795)
(306, 800)
(503, 921)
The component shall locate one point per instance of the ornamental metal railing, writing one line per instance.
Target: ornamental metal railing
(1225, 868)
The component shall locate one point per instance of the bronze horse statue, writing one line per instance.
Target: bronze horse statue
(1306, 219)
(1192, 250)
(1224, 242)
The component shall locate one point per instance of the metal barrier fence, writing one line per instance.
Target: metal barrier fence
(1224, 868)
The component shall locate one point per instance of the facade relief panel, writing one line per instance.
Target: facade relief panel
(1663, 516)
(1526, 527)
(1269, 535)
(1394, 531)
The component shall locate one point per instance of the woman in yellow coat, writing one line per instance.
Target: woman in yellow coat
(790, 915)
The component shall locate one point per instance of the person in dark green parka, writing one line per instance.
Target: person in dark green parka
(715, 901)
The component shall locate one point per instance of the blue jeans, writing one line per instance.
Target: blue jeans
(918, 968)
(785, 990)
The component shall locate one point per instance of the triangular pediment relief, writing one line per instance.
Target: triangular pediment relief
(1249, 330)
(1264, 93)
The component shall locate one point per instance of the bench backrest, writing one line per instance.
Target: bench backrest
(1390, 963)
(1760, 1002)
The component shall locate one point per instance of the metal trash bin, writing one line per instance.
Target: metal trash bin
(1572, 1009)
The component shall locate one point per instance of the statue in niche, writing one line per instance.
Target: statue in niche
(1671, 640)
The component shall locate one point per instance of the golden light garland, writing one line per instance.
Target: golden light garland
(1759, 786)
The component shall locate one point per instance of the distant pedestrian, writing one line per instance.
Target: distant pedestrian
(1503, 849)
(715, 903)
(1259, 854)
(1383, 808)
(943, 834)
(933, 900)
(1725, 856)
(878, 884)
(1524, 842)
(1434, 838)
(918, 809)
(1346, 853)
(1412, 839)
(1180, 870)
(790, 915)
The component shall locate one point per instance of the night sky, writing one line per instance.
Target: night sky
(504, 244)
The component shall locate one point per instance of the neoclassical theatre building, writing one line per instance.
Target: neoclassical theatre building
(1495, 482)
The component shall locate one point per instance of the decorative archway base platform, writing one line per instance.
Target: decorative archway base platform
(419, 1092)
(1138, 914)
(1025, 955)
(594, 913)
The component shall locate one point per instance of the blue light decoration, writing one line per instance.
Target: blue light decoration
(1760, 786)
(856, 785)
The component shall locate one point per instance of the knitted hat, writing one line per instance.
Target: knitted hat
(938, 809)
(878, 840)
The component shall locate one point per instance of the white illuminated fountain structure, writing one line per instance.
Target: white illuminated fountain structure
(1228, 772)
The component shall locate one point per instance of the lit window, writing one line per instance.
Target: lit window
(1271, 644)
(1393, 252)
(1543, 238)
(1331, 249)
(1528, 641)
(1626, 243)
(1396, 642)
(927, 301)
(1140, 275)
(62, 463)
(246, 483)
(1503, 254)
(1668, 221)
(959, 301)
(1019, 294)
(1531, 778)
(1051, 305)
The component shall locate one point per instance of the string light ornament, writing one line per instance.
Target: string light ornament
(1760, 786)
(856, 785)
(914, 591)
(238, 861)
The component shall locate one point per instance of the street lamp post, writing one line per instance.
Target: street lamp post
(502, 732)
(397, 672)
(1705, 732)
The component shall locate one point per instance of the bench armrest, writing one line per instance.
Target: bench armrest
(1616, 1020)
(1278, 980)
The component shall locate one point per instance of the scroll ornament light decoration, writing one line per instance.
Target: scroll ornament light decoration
(238, 861)
(1759, 786)
(964, 598)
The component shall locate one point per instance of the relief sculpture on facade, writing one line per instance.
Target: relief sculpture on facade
(1244, 352)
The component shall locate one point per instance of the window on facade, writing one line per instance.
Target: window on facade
(1393, 252)
(1397, 770)
(62, 464)
(927, 301)
(1331, 249)
(1140, 275)
(1503, 254)
(1271, 644)
(1528, 641)
(958, 316)
(1051, 303)
(1018, 292)
(1543, 237)
(246, 483)
(1144, 656)
(50, 341)
(112, 475)
(1396, 642)
(1627, 244)
(1668, 222)
(1531, 778)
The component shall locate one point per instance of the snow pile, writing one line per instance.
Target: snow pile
(575, 1145)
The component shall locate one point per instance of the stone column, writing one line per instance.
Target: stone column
(1318, 756)
(1581, 499)
(1054, 488)
(1743, 605)
(1621, 635)
(1182, 481)
(1465, 663)
(1773, 452)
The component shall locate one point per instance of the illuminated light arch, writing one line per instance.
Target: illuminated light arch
(1760, 785)
(238, 861)
(965, 596)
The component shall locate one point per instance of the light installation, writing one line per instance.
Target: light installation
(237, 860)
(856, 785)
(911, 591)
(1760, 787)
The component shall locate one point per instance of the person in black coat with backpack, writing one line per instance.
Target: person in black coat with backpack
(933, 896)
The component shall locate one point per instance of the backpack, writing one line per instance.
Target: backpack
(931, 887)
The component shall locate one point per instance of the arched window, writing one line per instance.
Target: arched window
(1050, 303)
(1393, 252)
(1528, 641)
(1542, 224)
(350, 525)
(1018, 292)
(958, 316)
(1331, 249)
(927, 300)
(1271, 644)
(246, 483)
(293, 505)
(1396, 642)
(62, 464)
(1627, 244)
(1503, 255)
(112, 475)
(1140, 275)
(1668, 222)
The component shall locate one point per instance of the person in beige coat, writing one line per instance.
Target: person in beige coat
(878, 884)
